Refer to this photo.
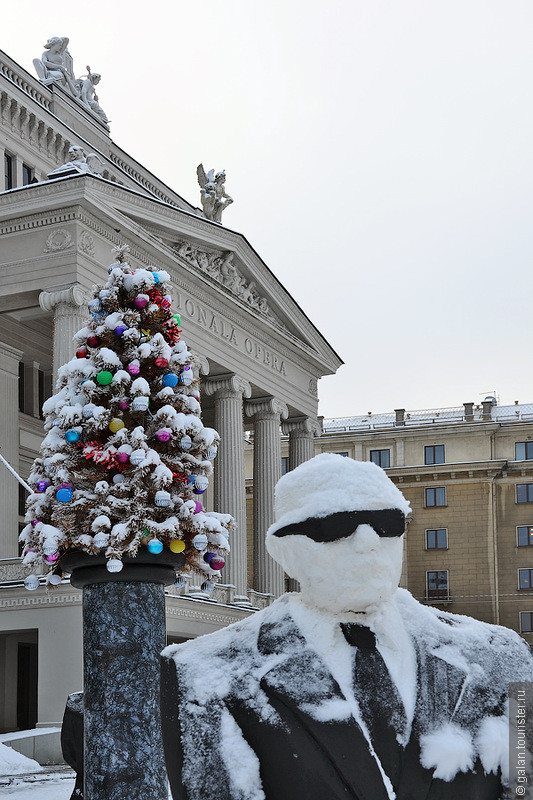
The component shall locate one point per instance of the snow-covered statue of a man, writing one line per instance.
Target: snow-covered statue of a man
(350, 688)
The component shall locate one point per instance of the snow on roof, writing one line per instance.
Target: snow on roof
(433, 416)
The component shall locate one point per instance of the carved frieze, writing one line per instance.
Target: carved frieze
(58, 240)
(86, 243)
(219, 265)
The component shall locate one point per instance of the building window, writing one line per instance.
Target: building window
(523, 451)
(344, 455)
(381, 458)
(436, 497)
(437, 539)
(524, 535)
(437, 585)
(526, 622)
(22, 500)
(8, 172)
(525, 578)
(284, 465)
(524, 492)
(434, 454)
(27, 175)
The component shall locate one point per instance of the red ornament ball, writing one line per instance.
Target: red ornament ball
(162, 363)
(81, 353)
(93, 341)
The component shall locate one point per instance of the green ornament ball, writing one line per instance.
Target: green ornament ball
(104, 378)
(177, 318)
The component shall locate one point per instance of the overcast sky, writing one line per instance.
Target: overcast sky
(379, 154)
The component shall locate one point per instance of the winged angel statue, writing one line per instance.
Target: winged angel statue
(213, 192)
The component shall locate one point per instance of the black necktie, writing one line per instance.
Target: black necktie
(381, 706)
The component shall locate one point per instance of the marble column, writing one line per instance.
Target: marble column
(230, 490)
(301, 432)
(9, 447)
(267, 413)
(70, 314)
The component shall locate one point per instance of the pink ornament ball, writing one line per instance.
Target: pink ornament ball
(198, 507)
(217, 563)
(124, 405)
(35, 522)
(161, 363)
(134, 369)
(51, 559)
(163, 436)
(140, 301)
(122, 458)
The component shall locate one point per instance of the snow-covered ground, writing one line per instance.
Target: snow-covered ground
(40, 787)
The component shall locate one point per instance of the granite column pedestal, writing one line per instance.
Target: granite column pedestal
(124, 633)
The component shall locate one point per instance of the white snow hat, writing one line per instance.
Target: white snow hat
(329, 483)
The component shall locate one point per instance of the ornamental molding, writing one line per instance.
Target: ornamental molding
(213, 616)
(60, 239)
(301, 427)
(86, 243)
(266, 408)
(47, 598)
(232, 386)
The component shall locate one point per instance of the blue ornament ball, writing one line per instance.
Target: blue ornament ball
(156, 277)
(170, 379)
(155, 546)
(64, 495)
(72, 436)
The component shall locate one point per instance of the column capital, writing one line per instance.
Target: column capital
(227, 386)
(73, 296)
(266, 408)
(303, 427)
(202, 364)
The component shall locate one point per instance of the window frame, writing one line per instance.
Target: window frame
(435, 504)
(29, 172)
(528, 446)
(285, 465)
(530, 535)
(9, 168)
(435, 598)
(525, 588)
(436, 531)
(380, 451)
(530, 614)
(433, 448)
(528, 492)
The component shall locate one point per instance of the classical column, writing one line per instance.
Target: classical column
(267, 413)
(301, 432)
(230, 492)
(9, 447)
(70, 314)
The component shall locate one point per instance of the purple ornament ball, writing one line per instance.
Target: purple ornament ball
(134, 369)
(140, 302)
(52, 558)
(217, 563)
(198, 507)
(124, 405)
(42, 486)
(163, 436)
(119, 330)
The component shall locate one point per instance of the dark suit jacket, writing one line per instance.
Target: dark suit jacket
(240, 719)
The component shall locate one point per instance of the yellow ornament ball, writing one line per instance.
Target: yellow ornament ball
(115, 425)
(177, 546)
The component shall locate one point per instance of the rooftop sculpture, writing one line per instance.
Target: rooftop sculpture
(56, 67)
(213, 192)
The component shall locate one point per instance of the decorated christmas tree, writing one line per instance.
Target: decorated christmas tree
(126, 457)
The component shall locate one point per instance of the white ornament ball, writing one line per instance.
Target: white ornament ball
(186, 443)
(212, 453)
(186, 378)
(101, 540)
(137, 457)
(140, 404)
(162, 498)
(88, 411)
(207, 587)
(49, 548)
(114, 565)
(119, 478)
(54, 579)
(200, 541)
(31, 582)
(201, 483)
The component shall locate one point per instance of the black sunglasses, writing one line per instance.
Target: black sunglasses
(387, 523)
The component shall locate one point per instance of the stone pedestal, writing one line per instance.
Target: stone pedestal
(267, 414)
(70, 314)
(124, 632)
(230, 490)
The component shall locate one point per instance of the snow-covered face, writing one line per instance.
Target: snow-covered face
(355, 573)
